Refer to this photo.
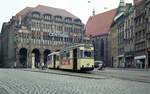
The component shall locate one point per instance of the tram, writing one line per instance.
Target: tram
(77, 57)
(53, 60)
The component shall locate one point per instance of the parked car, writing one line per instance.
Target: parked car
(98, 64)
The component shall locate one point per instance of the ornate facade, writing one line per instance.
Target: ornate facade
(147, 6)
(122, 36)
(119, 21)
(129, 36)
(141, 31)
(140, 34)
(37, 32)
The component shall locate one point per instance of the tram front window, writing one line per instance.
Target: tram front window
(87, 54)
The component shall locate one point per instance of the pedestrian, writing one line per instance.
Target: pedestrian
(42, 65)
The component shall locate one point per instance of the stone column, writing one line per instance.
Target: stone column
(17, 63)
(33, 61)
(41, 58)
(147, 60)
(29, 59)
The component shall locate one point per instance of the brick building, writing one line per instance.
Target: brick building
(97, 28)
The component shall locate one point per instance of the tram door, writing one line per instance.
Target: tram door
(54, 60)
(74, 59)
(148, 59)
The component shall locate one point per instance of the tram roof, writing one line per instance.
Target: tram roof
(53, 53)
(72, 46)
(79, 45)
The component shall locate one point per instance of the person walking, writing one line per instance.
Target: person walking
(42, 65)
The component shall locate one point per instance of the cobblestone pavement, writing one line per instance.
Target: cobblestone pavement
(126, 74)
(13, 81)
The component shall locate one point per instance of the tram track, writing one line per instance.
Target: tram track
(81, 75)
(124, 77)
(97, 75)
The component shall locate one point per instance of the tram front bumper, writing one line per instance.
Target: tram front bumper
(87, 68)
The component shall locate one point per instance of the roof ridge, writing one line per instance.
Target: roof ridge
(24, 10)
(59, 9)
(100, 23)
(106, 11)
(48, 7)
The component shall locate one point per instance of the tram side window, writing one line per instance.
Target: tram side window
(61, 56)
(57, 57)
(67, 54)
(92, 54)
(81, 53)
(71, 54)
(49, 58)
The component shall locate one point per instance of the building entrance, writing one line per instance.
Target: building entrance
(36, 53)
(23, 57)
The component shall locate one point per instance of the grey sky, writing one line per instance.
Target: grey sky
(80, 8)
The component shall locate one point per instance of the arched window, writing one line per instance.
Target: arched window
(102, 47)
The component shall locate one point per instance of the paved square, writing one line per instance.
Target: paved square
(14, 81)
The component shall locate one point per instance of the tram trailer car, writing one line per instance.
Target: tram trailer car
(53, 60)
(78, 57)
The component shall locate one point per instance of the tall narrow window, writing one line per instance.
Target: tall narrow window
(102, 47)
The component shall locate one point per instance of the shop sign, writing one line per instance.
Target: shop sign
(58, 34)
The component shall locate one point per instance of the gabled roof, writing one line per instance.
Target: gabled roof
(46, 10)
(100, 24)
(23, 12)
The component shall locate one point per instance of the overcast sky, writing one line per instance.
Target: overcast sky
(80, 8)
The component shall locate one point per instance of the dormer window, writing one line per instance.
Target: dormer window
(68, 20)
(58, 18)
(47, 17)
(35, 14)
(77, 21)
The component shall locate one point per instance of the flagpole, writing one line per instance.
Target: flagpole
(93, 6)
